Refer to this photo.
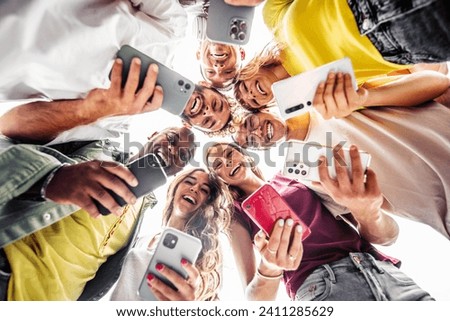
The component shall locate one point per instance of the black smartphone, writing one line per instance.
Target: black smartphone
(177, 89)
(150, 175)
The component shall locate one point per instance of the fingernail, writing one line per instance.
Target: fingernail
(280, 222)
(133, 200)
(261, 233)
(289, 222)
(353, 147)
(299, 229)
(159, 266)
(118, 210)
(134, 182)
(150, 277)
(137, 61)
(154, 67)
(184, 261)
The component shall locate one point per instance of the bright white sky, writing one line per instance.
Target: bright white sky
(424, 252)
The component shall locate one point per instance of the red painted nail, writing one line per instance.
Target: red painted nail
(150, 277)
(184, 261)
(159, 266)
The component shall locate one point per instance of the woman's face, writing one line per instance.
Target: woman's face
(191, 194)
(256, 92)
(229, 164)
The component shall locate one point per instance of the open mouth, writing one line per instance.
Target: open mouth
(220, 56)
(259, 89)
(235, 169)
(162, 158)
(269, 131)
(189, 199)
(196, 106)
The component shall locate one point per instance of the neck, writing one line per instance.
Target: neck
(297, 128)
(280, 72)
(252, 185)
(176, 222)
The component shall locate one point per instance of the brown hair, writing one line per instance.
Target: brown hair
(206, 223)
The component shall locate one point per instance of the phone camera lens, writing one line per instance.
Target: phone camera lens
(308, 103)
(180, 82)
(170, 241)
(290, 170)
(303, 172)
(243, 26)
(234, 30)
(297, 171)
(187, 86)
(241, 35)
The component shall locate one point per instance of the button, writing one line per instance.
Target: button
(46, 216)
(366, 24)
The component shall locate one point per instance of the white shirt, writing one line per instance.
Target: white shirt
(56, 49)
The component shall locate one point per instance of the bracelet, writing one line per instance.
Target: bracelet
(48, 180)
(276, 277)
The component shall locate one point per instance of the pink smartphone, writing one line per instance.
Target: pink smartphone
(265, 206)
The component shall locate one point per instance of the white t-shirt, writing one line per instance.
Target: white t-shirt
(54, 49)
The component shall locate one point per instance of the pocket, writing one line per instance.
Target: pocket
(316, 287)
(395, 274)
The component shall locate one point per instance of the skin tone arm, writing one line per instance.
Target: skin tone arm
(362, 198)
(277, 253)
(46, 120)
(336, 97)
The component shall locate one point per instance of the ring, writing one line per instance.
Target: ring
(271, 251)
(291, 257)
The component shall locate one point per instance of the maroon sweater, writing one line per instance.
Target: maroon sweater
(330, 240)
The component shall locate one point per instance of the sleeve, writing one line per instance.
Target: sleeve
(273, 12)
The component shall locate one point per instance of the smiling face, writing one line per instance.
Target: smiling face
(219, 63)
(229, 164)
(191, 194)
(207, 109)
(174, 147)
(259, 130)
(256, 92)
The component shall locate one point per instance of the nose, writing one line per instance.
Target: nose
(207, 111)
(257, 131)
(194, 188)
(218, 66)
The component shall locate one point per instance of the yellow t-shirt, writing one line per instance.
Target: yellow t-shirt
(318, 32)
(56, 262)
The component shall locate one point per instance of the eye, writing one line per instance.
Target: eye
(189, 181)
(205, 190)
(171, 139)
(217, 164)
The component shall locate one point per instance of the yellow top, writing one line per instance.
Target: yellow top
(56, 262)
(318, 32)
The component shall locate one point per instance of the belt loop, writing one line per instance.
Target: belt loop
(374, 263)
(330, 273)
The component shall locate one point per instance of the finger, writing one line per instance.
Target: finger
(340, 166)
(176, 279)
(328, 97)
(357, 169)
(285, 238)
(116, 185)
(296, 249)
(86, 203)
(133, 77)
(116, 75)
(162, 291)
(318, 102)
(340, 95)
(101, 195)
(326, 181)
(260, 240)
(348, 87)
(193, 273)
(372, 182)
(148, 87)
(120, 171)
(156, 100)
(275, 236)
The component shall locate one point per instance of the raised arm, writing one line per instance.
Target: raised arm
(336, 97)
(43, 121)
(362, 198)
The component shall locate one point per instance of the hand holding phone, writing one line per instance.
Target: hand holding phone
(302, 161)
(173, 246)
(150, 175)
(295, 95)
(229, 24)
(177, 89)
(265, 206)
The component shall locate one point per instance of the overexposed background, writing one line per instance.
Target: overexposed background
(425, 253)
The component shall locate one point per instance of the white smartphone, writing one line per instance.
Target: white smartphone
(173, 246)
(150, 174)
(294, 95)
(302, 161)
(177, 89)
(229, 24)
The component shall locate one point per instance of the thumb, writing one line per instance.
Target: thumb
(260, 240)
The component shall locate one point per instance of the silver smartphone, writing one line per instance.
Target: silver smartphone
(150, 175)
(173, 246)
(294, 95)
(229, 24)
(302, 161)
(177, 89)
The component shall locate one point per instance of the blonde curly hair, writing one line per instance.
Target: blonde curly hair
(206, 223)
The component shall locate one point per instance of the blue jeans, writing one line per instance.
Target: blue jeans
(359, 277)
(406, 31)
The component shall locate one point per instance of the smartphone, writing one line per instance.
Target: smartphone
(150, 174)
(173, 246)
(177, 89)
(294, 95)
(229, 24)
(302, 161)
(265, 206)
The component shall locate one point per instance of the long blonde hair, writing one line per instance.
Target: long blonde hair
(206, 223)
